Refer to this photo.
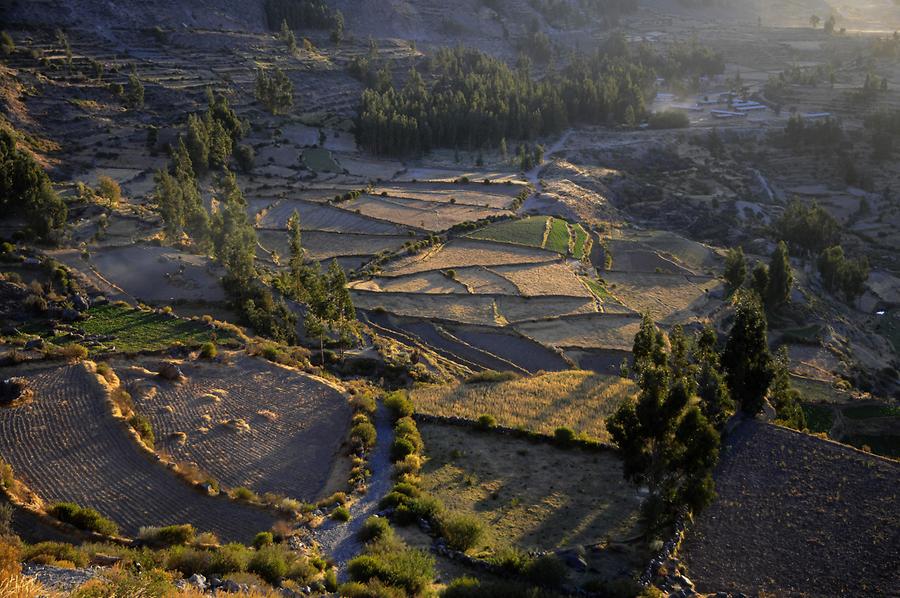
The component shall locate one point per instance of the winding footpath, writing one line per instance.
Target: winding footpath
(340, 540)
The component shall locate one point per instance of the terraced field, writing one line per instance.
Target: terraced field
(591, 331)
(324, 245)
(576, 399)
(460, 253)
(66, 446)
(489, 196)
(533, 496)
(246, 422)
(665, 296)
(317, 216)
(795, 512)
(426, 215)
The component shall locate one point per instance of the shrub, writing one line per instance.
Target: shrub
(144, 429)
(340, 514)
(406, 428)
(263, 539)
(229, 559)
(74, 352)
(409, 465)
(547, 571)
(10, 558)
(244, 494)
(400, 448)
(364, 434)
(410, 569)
(491, 376)
(564, 436)
(49, 552)
(424, 507)
(364, 403)
(188, 561)
(669, 119)
(109, 190)
(375, 529)
(269, 564)
(399, 404)
(511, 560)
(208, 350)
(462, 531)
(84, 518)
(487, 422)
(170, 535)
(373, 589)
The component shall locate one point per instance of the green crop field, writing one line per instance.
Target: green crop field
(581, 241)
(129, 330)
(527, 231)
(558, 237)
(320, 160)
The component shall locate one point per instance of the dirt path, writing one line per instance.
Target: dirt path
(339, 540)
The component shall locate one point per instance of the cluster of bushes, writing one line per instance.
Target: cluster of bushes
(26, 191)
(363, 435)
(842, 274)
(350, 195)
(669, 119)
(144, 429)
(299, 14)
(414, 247)
(83, 518)
(819, 134)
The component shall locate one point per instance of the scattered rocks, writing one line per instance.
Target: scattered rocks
(70, 315)
(198, 581)
(79, 303)
(36, 344)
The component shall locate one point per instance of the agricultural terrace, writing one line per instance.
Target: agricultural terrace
(322, 217)
(575, 399)
(116, 328)
(66, 445)
(871, 426)
(147, 273)
(430, 216)
(792, 510)
(245, 421)
(674, 298)
(545, 232)
(460, 253)
(532, 495)
(496, 196)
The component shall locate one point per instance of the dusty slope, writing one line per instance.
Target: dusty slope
(798, 515)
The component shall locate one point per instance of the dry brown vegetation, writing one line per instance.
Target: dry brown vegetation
(579, 400)
(531, 495)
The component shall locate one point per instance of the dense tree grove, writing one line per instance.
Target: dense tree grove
(474, 101)
(298, 14)
(274, 90)
(212, 138)
(841, 274)
(808, 227)
(821, 134)
(464, 98)
(25, 190)
(329, 304)
(667, 442)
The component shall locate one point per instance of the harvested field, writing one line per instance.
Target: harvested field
(592, 331)
(481, 280)
(576, 399)
(427, 215)
(518, 309)
(629, 256)
(66, 446)
(316, 216)
(423, 282)
(320, 160)
(323, 245)
(797, 515)
(157, 275)
(534, 496)
(460, 253)
(602, 361)
(513, 347)
(664, 296)
(695, 256)
(544, 279)
(489, 196)
(295, 423)
(469, 309)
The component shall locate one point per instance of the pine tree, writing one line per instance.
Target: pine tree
(785, 398)
(746, 359)
(781, 277)
(649, 345)
(735, 268)
(234, 238)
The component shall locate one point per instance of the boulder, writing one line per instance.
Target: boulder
(230, 586)
(15, 390)
(70, 315)
(35, 344)
(79, 302)
(170, 371)
(198, 581)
